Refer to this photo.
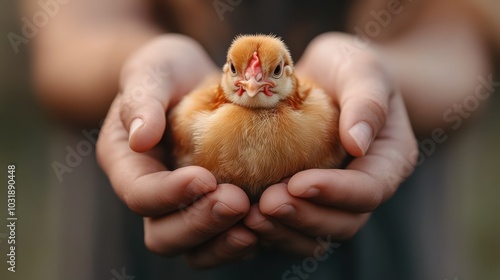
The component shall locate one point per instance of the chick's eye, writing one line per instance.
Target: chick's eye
(233, 69)
(278, 70)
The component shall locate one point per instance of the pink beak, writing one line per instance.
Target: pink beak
(253, 82)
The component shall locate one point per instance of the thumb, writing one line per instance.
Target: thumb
(159, 74)
(143, 103)
(364, 103)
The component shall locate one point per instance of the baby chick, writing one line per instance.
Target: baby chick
(259, 123)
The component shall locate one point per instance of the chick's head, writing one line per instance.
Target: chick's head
(258, 72)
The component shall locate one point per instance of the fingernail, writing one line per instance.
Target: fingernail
(362, 135)
(237, 243)
(263, 225)
(136, 123)
(222, 211)
(266, 226)
(240, 248)
(197, 187)
(284, 211)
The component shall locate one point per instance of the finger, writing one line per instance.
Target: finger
(162, 192)
(275, 234)
(350, 190)
(237, 243)
(206, 218)
(159, 74)
(363, 93)
(141, 179)
(309, 218)
(370, 180)
(357, 81)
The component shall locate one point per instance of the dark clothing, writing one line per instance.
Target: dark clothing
(297, 22)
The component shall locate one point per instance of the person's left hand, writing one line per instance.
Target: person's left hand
(374, 127)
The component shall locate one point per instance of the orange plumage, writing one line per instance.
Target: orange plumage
(258, 123)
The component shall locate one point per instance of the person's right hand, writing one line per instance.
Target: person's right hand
(185, 210)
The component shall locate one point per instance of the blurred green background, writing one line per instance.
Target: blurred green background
(32, 141)
(24, 142)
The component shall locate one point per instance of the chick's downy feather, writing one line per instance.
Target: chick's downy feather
(258, 123)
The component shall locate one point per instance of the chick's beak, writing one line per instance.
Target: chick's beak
(253, 82)
(253, 85)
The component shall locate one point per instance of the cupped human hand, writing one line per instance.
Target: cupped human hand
(334, 204)
(185, 211)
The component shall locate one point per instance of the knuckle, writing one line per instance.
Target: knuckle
(379, 109)
(126, 105)
(376, 105)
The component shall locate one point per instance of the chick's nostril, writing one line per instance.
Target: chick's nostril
(259, 77)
